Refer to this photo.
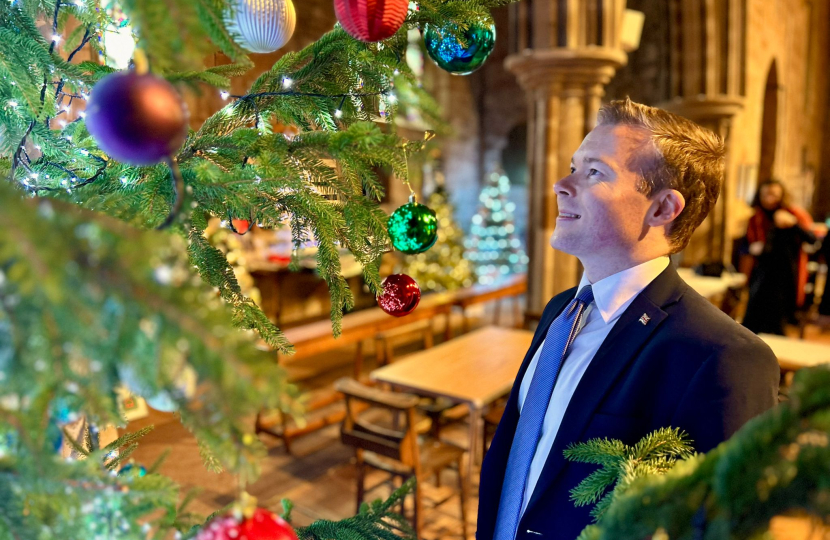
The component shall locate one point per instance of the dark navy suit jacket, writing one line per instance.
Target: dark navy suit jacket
(689, 367)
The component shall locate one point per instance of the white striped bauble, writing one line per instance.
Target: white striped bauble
(261, 26)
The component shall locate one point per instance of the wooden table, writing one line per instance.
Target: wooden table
(710, 286)
(476, 369)
(794, 354)
(317, 338)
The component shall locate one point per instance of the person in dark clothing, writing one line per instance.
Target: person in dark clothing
(776, 284)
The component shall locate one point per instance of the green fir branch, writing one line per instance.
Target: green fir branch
(621, 465)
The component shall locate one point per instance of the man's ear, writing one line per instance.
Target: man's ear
(666, 206)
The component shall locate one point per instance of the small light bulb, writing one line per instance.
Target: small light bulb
(61, 123)
(69, 138)
(338, 113)
(124, 180)
(79, 3)
(13, 103)
(82, 114)
(392, 98)
(56, 38)
(65, 108)
(396, 72)
(34, 176)
(85, 95)
(224, 95)
(37, 147)
(287, 82)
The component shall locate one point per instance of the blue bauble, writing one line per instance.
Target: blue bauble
(461, 51)
(132, 468)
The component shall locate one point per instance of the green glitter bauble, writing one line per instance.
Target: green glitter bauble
(461, 51)
(413, 228)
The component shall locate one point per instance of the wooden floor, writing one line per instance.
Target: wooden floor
(320, 478)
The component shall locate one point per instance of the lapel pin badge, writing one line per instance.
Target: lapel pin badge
(644, 319)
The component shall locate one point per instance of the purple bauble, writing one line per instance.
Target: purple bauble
(136, 119)
(400, 295)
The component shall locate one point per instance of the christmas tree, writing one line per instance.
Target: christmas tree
(91, 300)
(493, 246)
(443, 267)
(777, 464)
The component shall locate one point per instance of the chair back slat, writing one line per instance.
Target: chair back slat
(360, 432)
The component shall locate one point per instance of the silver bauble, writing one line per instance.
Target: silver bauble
(261, 26)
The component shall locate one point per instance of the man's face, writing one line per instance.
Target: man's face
(601, 212)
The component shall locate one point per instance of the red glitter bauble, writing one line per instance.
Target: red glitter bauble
(371, 20)
(263, 525)
(400, 295)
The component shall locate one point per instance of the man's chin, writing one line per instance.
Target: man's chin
(563, 245)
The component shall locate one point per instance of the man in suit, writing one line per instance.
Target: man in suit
(633, 348)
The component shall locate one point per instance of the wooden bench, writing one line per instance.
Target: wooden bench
(514, 287)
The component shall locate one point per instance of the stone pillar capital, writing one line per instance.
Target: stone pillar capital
(562, 69)
(705, 109)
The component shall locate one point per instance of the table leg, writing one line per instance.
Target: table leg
(358, 361)
(475, 421)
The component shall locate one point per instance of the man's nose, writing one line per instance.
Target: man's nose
(564, 187)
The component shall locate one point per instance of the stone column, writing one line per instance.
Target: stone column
(708, 79)
(565, 52)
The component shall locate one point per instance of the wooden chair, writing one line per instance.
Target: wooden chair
(385, 341)
(396, 450)
(491, 422)
(385, 349)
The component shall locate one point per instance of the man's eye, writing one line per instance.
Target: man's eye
(593, 172)
(573, 169)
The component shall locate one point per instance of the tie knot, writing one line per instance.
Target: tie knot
(585, 295)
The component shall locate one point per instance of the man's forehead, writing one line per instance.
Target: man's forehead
(612, 143)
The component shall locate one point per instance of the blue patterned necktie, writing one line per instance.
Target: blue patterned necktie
(560, 335)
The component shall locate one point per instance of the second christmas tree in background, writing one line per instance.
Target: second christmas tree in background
(494, 247)
(443, 267)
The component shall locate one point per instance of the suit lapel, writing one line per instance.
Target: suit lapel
(616, 352)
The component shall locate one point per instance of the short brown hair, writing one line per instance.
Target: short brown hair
(687, 158)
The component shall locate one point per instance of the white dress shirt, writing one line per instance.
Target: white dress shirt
(612, 296)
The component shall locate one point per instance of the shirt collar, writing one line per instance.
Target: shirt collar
(614, 293)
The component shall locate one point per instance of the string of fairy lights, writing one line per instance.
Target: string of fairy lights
(71, 178)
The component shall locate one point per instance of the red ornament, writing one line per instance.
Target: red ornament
(371, 20)
(400, 295)
(262, 525)
(240, 226)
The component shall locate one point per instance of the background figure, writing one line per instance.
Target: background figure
(779, 270)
